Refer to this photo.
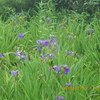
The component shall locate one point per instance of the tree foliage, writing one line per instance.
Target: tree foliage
(89, 6)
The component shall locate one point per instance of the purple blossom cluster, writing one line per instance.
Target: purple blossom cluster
(42, 43)
(59, 98)
(14, 73)
(67, 70)
(20, 35)
(68, 84)
(20, 55)
(52, 42)
(71, 53)
(49, 55)
(58, 69)
(1, 55)
(90, 31)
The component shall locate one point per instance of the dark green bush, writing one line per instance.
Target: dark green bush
(8, 7)
(19, 4)
(89, 6)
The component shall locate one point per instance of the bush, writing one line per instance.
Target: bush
(8, 7)
(89, 6)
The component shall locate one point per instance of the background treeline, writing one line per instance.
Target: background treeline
(8, 7)
(89, 6)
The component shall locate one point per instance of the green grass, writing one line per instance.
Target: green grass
(34, 82)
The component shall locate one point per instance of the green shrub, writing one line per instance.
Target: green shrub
(8, 7)
(89, 6)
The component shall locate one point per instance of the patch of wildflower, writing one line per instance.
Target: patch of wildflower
(62, 69)
(59, 98)
(20, 55)
(66, 69)
(71, 53)
(90, 31)
(41, 44)
(20, 35)
(68, 84)
(1, 55)
(53, 43)
(49, 55)
(48, 20)
(14, 73)
(56, 68)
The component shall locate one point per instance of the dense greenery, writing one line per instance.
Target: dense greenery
(89, 6)
(36, 77)
(77, 5)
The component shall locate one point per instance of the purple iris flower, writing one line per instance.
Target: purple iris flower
(14, 73)
(67, 70)
(46, 43)
(53, 42)
(90, 31)
(56, 68)
(44, 56)
(17, 53)
(39, 42)
(68, 84)
(38, 47)
(48, 19)
(23, 57)
(42, 43)
(71, 53)
(20, 55)
(1, 55)
(50, 56)
(59, 98)
(20, 35)
(52, 36)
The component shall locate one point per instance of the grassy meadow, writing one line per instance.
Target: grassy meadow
(72, 40)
